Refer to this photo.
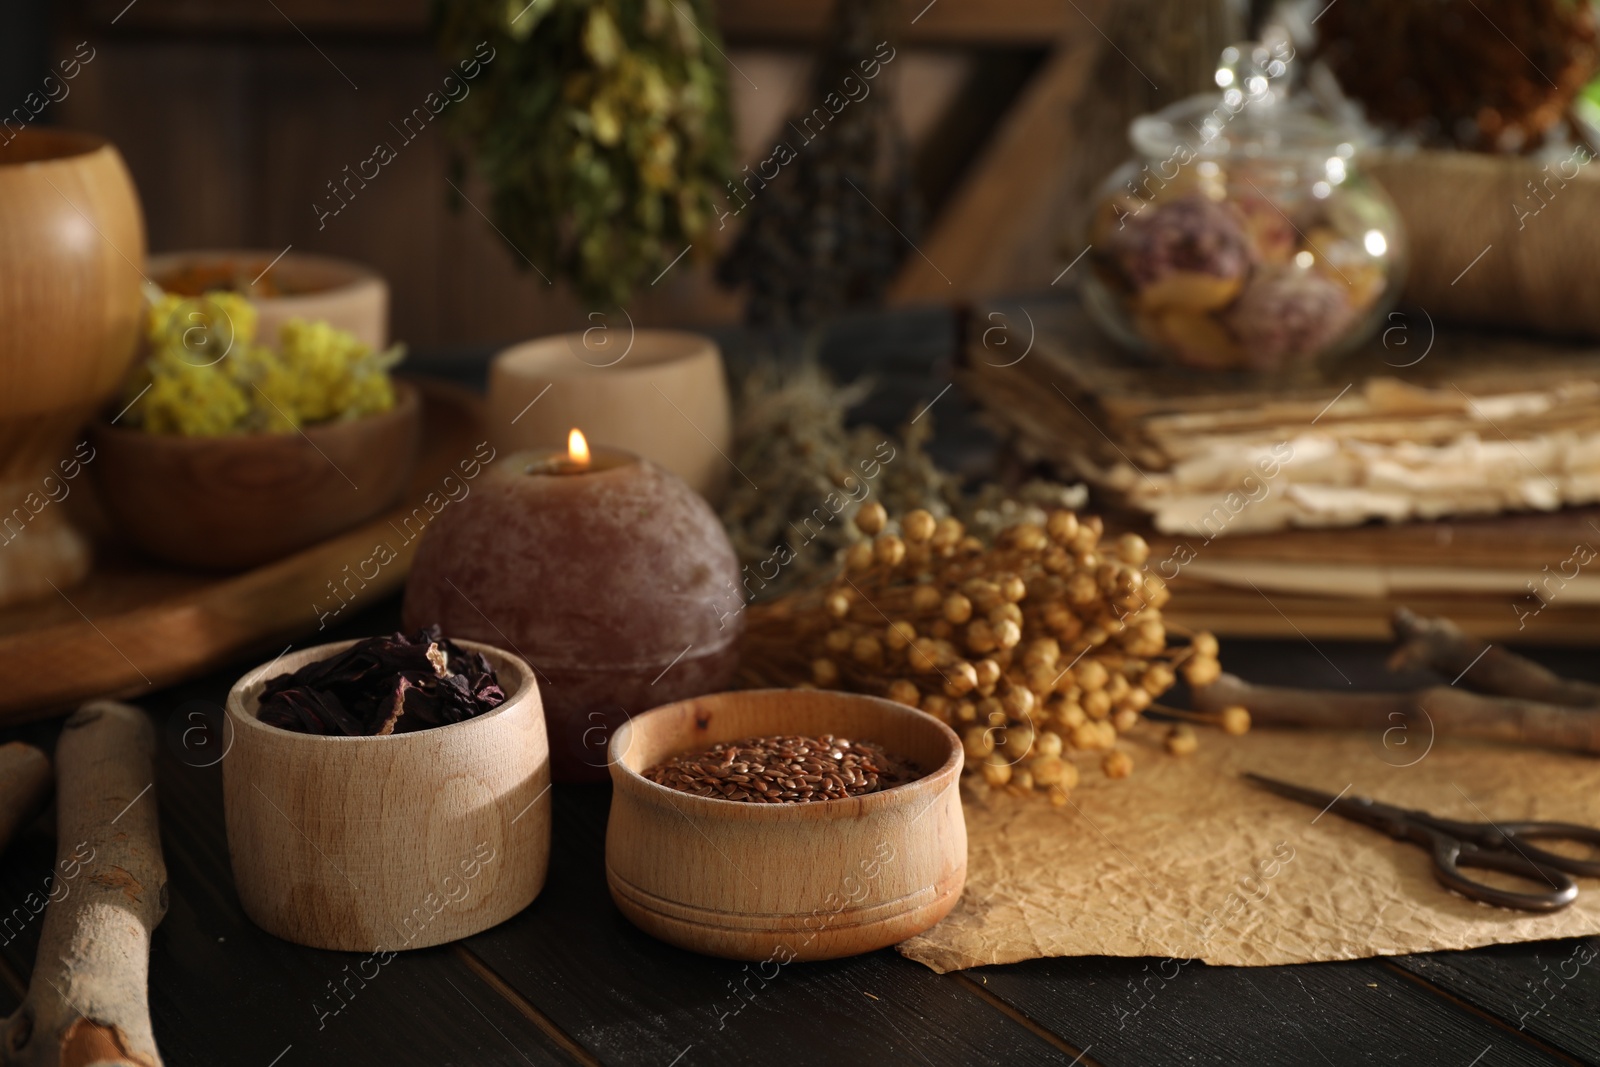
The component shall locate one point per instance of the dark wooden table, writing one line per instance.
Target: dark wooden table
(570, 981)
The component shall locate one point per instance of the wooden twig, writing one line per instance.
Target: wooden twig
(88, 1001)
(1451, 711)
(1440, 645)
(24, 787)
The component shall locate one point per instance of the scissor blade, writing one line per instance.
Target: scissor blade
(1391, 820)
(1314, 797)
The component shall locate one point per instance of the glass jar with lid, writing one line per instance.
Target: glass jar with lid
(1243, 236)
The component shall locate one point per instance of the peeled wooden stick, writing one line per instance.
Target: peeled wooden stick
(24, 787)
(1452, 711)
(1440, 645)
(88, 999)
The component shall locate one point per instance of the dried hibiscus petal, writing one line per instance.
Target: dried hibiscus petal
(384, 685)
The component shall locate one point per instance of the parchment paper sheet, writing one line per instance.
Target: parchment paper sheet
(1186, 860)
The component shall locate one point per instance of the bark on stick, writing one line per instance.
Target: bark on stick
(1453, 712)
(88, 1001)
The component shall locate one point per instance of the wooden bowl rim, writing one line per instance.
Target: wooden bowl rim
(527, 689)
(675, 349)
(932, 784)
(82, 144)
(407, 407)
(356, 276)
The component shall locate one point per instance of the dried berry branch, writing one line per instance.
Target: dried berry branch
(24, 787)
(1043, 645)
(88, 1001)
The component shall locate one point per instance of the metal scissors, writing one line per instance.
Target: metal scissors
(1506, 847)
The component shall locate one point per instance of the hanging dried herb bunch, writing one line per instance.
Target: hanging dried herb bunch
(819, 235)
(602, 128)
(1489, 75)
(1042, 649)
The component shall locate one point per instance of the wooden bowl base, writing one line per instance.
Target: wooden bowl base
(823, 936)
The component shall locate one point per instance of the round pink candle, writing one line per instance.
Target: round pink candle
(608, 573)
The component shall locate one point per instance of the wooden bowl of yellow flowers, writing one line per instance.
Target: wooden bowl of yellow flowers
(224, 453)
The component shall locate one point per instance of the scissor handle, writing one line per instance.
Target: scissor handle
(1451, 854)
(1522, 834)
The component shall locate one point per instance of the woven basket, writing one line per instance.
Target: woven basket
(1540, 265)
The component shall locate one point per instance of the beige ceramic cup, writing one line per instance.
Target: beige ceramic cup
(658, 393)
(316, 289)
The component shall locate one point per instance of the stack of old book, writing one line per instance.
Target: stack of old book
(1442, 469)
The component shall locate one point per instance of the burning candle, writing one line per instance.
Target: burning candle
(605, 571)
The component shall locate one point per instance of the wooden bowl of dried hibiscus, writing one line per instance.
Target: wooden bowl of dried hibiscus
(389, 793)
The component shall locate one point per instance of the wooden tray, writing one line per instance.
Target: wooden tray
(134, 626)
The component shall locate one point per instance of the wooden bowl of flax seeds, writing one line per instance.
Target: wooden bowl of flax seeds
(785, 824)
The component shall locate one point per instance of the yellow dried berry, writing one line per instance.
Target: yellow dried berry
(1086, 736)
(904, 691)
(988, 672)
(1235, 720)
(1029, 536)
(937, 706)
(1132, 549)
(960, 678)
(1096, 704)
(837, 603)
(1046, 652)
(889, 550)
(1018, 701)
(1201, 672)
(925, 597)
(948, 532)
(824, 672)
(922, 654)
(1004, 613)
(1051, 770)
(1158, 678)
(918, 526)
(1047, 743)
(900, 634)
(1091, 674)
(981, 636)
(858, 557)
(1007, 634)
(1204, 644)
(1182, 740)
(1117, 764)
(839, 641)
(1070, 714)
(996, 771)
(868, 650)
(1062, 526)
(871, 518)
(957, 608)
(978, 741)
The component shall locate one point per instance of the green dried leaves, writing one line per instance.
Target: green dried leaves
(602, 129)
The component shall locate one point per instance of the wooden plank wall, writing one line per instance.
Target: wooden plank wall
(234, 115)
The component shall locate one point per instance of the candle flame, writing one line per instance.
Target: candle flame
(578, 448)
